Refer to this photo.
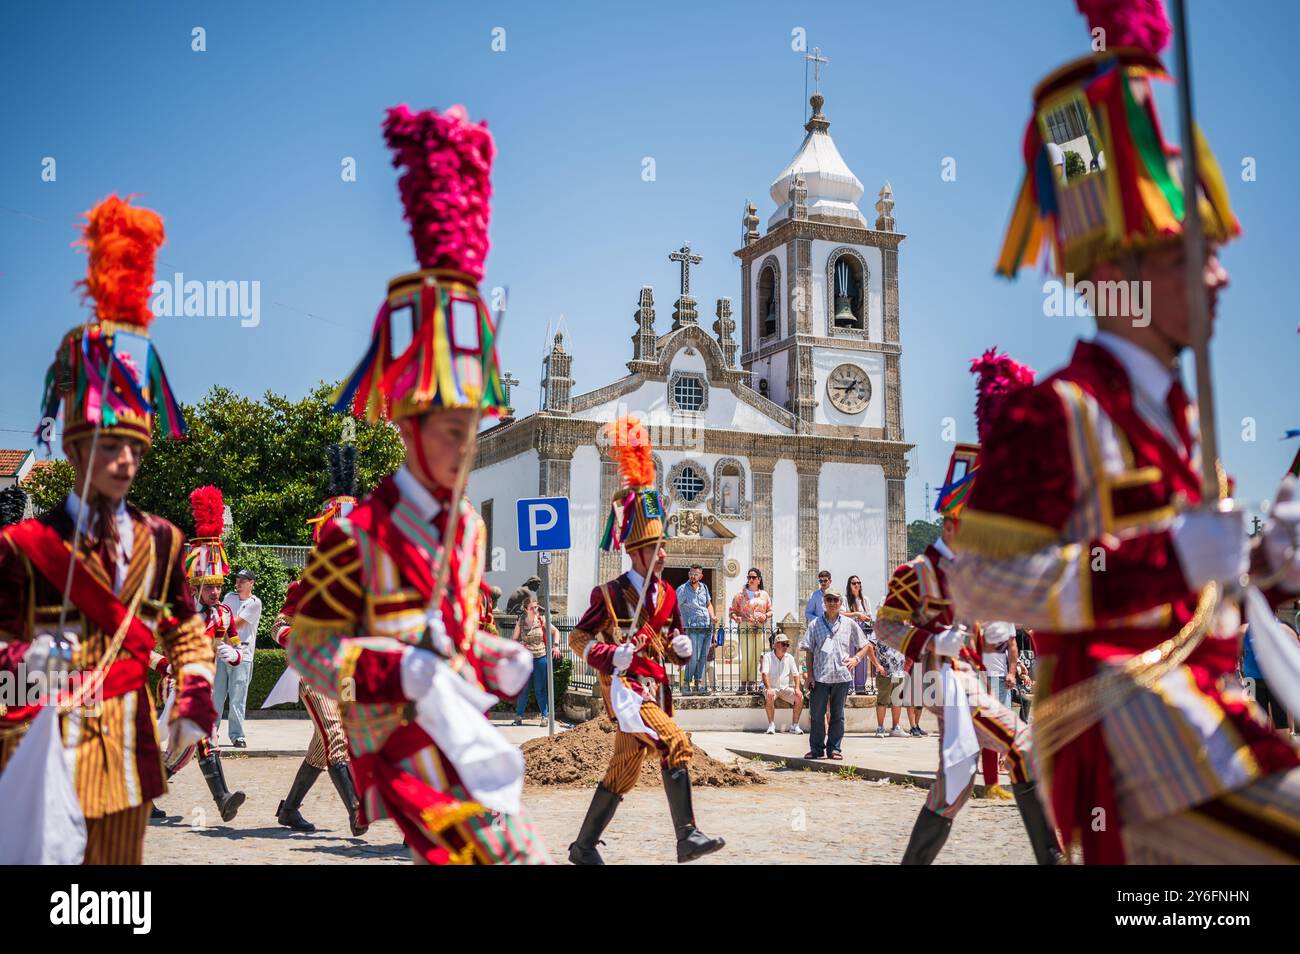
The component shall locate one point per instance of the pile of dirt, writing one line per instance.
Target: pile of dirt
(580, 756)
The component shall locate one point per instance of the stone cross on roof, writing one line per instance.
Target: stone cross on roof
(686, 259)
(816, 58)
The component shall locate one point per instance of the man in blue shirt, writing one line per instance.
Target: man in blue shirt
(695, 603)
(816, 604)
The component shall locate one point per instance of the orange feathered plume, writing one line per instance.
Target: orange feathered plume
(629, 445)
(123, 241)
(209, 509)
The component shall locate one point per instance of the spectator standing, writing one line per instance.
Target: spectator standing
(750, 611)
(858, 608)
(999, 650)
(890, 669)
(530, 629)
(835, 646)
(781, 680)
(695, 603)
(232, 681)
(815, 605)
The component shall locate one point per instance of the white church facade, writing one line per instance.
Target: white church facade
(784, 452)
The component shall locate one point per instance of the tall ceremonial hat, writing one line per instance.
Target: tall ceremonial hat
(107, 373)
(206, 561)
(997, 376)
(450, 358)
(1125, 193)
(637, 513)
(342, 488)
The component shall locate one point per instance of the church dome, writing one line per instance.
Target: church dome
(833, 189)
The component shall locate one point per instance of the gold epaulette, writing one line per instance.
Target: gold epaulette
(999, 536)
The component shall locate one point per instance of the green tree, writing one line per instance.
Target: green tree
(268, 458)
(1074, 165)
(48, 485)
(922, 533)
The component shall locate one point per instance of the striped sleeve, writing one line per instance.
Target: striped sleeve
(896, 623)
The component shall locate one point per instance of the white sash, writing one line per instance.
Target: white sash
(284, 690)
(41, 823)
(960, 746)
(627, 708)
(491, 769)
(1275, 651)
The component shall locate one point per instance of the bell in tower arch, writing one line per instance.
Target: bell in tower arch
(846, 293)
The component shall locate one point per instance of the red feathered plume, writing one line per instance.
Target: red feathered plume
(629, 445)
(446, 186)
(1140, 23)
(208, 508)
(999, 375)
(123, 241)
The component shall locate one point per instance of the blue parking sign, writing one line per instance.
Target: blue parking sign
(543, 523)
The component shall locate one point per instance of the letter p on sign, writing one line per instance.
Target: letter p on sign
(543, 523)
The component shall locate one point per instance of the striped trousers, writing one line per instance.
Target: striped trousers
(630, 749)
(117, 838)
(329, 746)
(1255, 825)
(996, 726)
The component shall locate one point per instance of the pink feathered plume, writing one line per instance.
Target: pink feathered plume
(1140, 23)
(446, 186)
(999, 375)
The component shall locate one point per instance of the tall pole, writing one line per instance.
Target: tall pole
(545, 561)
(1194, 247)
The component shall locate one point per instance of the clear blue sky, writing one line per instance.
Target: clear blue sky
(240, 148)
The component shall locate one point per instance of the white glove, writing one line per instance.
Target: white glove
(38, 654)
(1282, 534)
(682, 646)
(623, 656)
(227, 653)
(441, 641)
(1212, 546)
(949, 642)
(514, 669)
(183, 733)
(418, 667)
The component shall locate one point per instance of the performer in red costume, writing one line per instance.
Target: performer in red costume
(629, 657)
(404, 655)
(329, 747)
(206, 567)
(127, 590)
(920, 618)
(1085, 524)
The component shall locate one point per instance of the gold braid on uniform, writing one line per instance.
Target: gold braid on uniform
(1065, 715)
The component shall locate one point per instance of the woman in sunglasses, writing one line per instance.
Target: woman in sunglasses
(750, 611)
(858, 607)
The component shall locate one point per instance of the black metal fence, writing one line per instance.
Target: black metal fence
(730, 667)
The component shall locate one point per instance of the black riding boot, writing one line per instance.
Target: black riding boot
(341, 776)
(691, 842)
(928, 835)
(228, 802)
(288, 814)
(1047, 848)
(603, 805)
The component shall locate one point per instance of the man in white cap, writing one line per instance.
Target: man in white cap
(782, 680)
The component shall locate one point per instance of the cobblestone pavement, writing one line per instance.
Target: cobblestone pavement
(798, 818)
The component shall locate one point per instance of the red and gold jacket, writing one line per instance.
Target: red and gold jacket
(118, 762)
(604, 625)
(1067, 531)
(360, 606)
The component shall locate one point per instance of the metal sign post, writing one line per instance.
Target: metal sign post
(544, 561)
(543, 524)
